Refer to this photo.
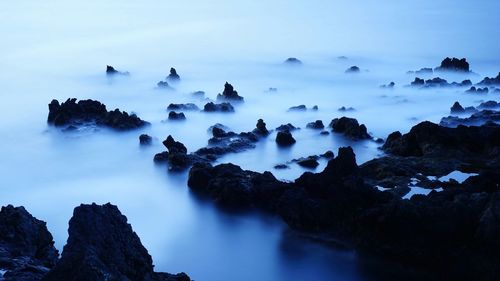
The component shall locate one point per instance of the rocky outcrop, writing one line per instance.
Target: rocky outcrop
(27, 249)
(218, 107)
(493, 81)
(438, 82)
(111, 71)
(285, 138)
(183, 107)
(173, 76)
(102, 246)
(229, 94)
(164, 85)
(350, 128)
(172, 115)
(90, 112)
(478, 118)
(317, 125)
(388, 86)
(286, 127)
(478, 90)
(260, 128)
(454, 64)
(145, 139)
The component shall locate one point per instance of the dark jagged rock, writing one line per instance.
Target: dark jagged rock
(284, 138)
(229, 94)
(477, 119)
(111, 71)
(286, 127)
(308, 162)
(418, 82)
(161, 157)
(281, 166)
(102, 246)
(261, 128)
(353, 69)
(173, 76)
(293, 61)
(315, 108)
(350, 128)
(346, 109)
(145, 139)
(230, 186)
(164, 85)
(27, 249)
(219, 107)
(318, 124)
(172, 115)
(494, 81)
(90, 112)
(388, 86)
(324, 133)
(182, 106)
(478, 90)
(298, 108)
(438, 82)
(454, 64)
(174, 146)
(457, 108)
(489, 105)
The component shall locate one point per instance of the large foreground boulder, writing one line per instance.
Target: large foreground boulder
(102, 246)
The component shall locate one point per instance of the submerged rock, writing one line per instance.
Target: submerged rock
(346, 109)
(27, 249)
(145, 139)
(172, 115)
(350, 128)
(478, 90)
(229, 94)
(438, 82)
(286, 127)
(110, 71)
(293, 61)
(284, 138)
(353, 69)
(261, 128)
(219, 107)
(173, 76)
(164, 85)
(183, 106)
(90, 112)
(317, 125)
(102, 246)
(308, 162)
(298, 108)
(454, 64)
(388, 86)
(479, 118)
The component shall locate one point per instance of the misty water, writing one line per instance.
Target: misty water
(58, 49)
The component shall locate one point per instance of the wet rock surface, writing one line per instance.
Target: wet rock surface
(102, 246)
(27, 249)
(350, 128)
(90, 112)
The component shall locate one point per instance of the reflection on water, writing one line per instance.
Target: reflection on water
(60, 49)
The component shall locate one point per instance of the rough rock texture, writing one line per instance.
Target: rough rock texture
(90, 112)
(284, 138)
(229, 94)
(454, 64)
(102, 246)
(350, 128)
(219, 107)
(27, 249)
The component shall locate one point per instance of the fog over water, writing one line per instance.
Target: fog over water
(59, 49)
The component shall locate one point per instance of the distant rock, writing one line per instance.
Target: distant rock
(219, 107)
(183, 106)
(111, 71)
(388, 86)
(286, 127)
(342, 58)
(350, 128)
(298, 108)
(145, 139)
(346, 109)
(173, 76)
(489, 105)
(418, 82)
(91, 112)
(422, 71)
(318, 125)
(27, 249)
(292, 61)
(172, 115)
(308, 162)
(164, 85)
(353, 69)
(102, 246)
(454, 64)
(479, 118)
(438, 82)
(229, 94)
(281, 166)
(261, 128)
(490, 81)
(285, 138)
(457, 108)
(478, 90)
(198, 94)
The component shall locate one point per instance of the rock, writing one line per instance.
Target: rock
(353, 69)
(219, 107)
(308, 162)
(328, 154)
(173, 76)
(490, 81)
(324, 133)
(198, 94)
(292, 61)
(422, 71)
(164, 85)
(346, 109)
(489, 105)
(453, 64)
(172, 115)
(315, 108)
(474, 90)
(286, 127)
(111, 71)
(229, 94)
(174, 146)
(350, 128)
(477, 119)
(457, 108)
(418, 82)
(281, 166)
(27, 249)
(261, 128)
(183, 106)
(145, 139)
(102, 246)
(318, 125)
(90, 112)
(388, 86)
(161, 157)
(272, 90)
(298, 108)
(438, 82)
(284, 138)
